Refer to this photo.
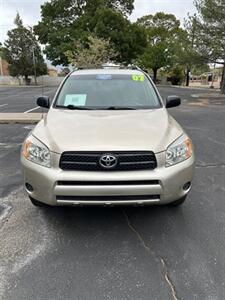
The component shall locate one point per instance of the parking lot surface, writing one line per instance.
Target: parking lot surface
(117, 253)
(23, 99)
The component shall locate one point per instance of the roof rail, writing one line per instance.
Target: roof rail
(110, 66)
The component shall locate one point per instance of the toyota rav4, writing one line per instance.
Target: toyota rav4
(107, 139)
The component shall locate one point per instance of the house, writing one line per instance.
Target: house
(212, 78)
(52, 72)
(4, 67)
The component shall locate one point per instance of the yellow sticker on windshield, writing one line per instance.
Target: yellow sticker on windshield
(138, 77)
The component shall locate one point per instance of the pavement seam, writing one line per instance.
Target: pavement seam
(4, 217)
(157, 258)
(10, 145)
(210, 166)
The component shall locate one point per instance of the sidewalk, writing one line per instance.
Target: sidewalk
(20, 118)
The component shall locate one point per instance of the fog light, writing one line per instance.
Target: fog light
(187, 186)
(29, 187)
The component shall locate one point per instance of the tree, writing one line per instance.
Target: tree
(67, 23)
(95, 53)
(129, 40)
(163, 33)
(124, 6)
(211, 39)
(23, 53)
(155, 57)
(175, 75)
(186, 53)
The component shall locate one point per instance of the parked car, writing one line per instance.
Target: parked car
(107, 139)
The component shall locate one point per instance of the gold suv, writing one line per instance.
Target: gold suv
(107, 139)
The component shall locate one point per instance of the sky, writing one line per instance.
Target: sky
(30, 11)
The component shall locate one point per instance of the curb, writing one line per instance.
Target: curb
(189, 87)
(28, 86)
(20, 118)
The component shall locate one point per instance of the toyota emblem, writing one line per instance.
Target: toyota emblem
(108, 161)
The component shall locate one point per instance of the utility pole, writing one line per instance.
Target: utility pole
(34, 59)
(193, 37)
(1, 67)
(34, 63)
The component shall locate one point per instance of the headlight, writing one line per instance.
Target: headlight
(179, 151)
(36, 152)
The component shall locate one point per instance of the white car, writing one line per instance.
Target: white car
(107, 139)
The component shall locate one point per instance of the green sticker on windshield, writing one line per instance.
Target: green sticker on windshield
(138, 77)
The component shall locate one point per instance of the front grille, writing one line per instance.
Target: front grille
(90, 161)
(108, 198)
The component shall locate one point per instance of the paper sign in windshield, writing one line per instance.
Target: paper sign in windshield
(76, 100)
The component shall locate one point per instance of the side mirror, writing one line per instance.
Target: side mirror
(43, 101)
(172, 101)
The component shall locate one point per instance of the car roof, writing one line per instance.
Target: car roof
(111, 71)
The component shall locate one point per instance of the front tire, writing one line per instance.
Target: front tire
(178, 202)
(37, 203)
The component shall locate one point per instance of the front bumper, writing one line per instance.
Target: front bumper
(57, 187)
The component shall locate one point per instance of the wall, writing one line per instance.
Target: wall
(42, 80)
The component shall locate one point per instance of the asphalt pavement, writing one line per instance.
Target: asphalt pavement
(117, 253)
(23, 99)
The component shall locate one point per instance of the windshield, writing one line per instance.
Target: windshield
(106, 91)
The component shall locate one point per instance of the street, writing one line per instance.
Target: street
(117, 253)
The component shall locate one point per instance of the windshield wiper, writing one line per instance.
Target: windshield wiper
(120, 108)
(74, 107)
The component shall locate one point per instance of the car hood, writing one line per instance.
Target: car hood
(73, 130)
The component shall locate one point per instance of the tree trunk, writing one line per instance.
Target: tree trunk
(188, 76)
(222, 84)
(27, 80)
(155, 71)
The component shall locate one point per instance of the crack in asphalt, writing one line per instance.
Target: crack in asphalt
(157, 258)
(5, 215)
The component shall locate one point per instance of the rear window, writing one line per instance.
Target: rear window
(101, 91)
